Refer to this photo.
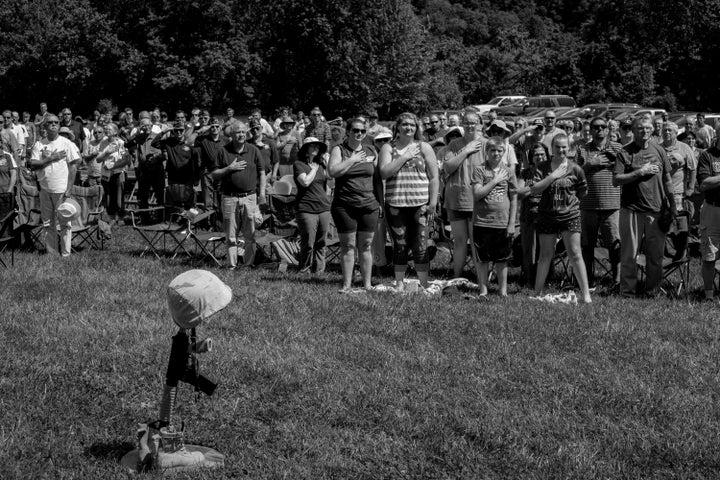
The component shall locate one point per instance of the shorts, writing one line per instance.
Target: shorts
(354, 219)
(709, 232)
(457, 215)
(555, 227)
(492, 244)
(604, 222)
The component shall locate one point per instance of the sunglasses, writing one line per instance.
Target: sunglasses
(598, 127)
(214, 126)
(316, 114)
(435, 121)
(359, 130)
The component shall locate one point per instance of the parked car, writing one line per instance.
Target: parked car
(502, 101)
(633, 113)
(598, 109)
(712, 119)
(529, 105)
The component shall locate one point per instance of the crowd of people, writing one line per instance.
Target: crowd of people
(495, 183)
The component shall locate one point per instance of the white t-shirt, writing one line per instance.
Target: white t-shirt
(53, 177)
(108, 165)
(21, 134)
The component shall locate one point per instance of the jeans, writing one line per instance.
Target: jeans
(313, 229)
(48, 212)
(239, 215)
(150, 178)
(114, 188)
(606, 222)
(636, 229)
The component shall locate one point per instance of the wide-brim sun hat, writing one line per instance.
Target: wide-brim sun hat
(312, 141)
(501, 125)
(384, 134)
(69, 133)
(68, 210)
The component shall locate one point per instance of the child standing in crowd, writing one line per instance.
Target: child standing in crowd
(561, 184)
(494, 191)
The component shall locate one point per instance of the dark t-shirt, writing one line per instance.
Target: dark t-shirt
(559, 202)
(645, 194)
(208, 151)
(243, 181)
(709, 166)
(78, 131)
(269, 154)
(311, 199)
(182, 164)
(355, 188)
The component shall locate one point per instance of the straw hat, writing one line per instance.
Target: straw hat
(69, 210)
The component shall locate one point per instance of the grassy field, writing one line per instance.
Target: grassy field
(315, 384)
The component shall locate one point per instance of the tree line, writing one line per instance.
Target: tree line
(347, 55)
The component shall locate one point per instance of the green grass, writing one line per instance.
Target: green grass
(315, 384)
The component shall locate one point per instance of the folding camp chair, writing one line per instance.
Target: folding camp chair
(7, 238)
(282, 215)
(173, 232)
(28, 223)
(206, 242)
(86, 230)
(676, 263)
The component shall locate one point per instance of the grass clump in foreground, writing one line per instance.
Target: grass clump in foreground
(315, 384)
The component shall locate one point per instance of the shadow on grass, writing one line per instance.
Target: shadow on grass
(108, 450)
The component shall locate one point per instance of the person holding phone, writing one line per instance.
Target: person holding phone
(410, 170)
(356, 204)
(312, 207)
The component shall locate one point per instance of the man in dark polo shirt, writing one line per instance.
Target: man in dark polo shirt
(182, 166)
(242, 182)
(66, 120)
(708, 177)
(643, 171)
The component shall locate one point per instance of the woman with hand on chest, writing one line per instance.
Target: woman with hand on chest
(561, 184)
(410, 170)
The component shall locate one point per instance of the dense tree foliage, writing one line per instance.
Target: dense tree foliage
(346, 55)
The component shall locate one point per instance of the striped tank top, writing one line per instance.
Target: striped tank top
(409, 187)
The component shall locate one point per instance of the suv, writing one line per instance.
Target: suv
(501, 101)
(531, 104)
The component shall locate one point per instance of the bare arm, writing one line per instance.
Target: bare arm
(389, 166)
(337, 167)
(305, 179)
(452, 163)
(431, 167)
(481, 191)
